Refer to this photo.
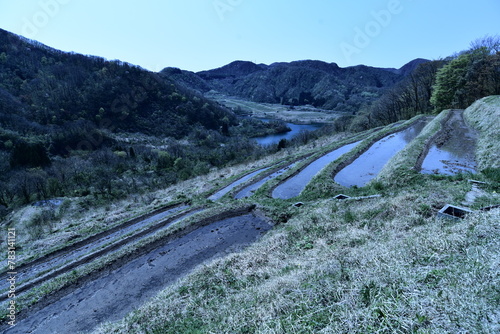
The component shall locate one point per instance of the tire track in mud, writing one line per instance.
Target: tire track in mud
(98, 297)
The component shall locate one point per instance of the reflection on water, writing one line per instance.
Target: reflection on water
(248, 191)
(218, 195)
(295, 130)
(293, 186)
(456, 155)
(370, 163)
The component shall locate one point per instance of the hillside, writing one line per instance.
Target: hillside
(305, 82)
(43, 86)
(139, 205)
(376, 265)
(75, 125)
(81, 126)
(381, 260)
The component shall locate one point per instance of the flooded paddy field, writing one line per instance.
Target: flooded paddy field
(369, 164)
(219, 194)
(294, 186)
(454, 149)
(250, 189)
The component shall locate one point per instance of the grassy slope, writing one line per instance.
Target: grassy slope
(484, 115)
(343, 267)
(380, 265)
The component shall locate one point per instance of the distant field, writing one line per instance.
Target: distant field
(298, 115)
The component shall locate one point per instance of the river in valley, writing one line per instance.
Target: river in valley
(295, 130)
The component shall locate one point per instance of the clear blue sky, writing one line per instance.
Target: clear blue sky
(203, 34)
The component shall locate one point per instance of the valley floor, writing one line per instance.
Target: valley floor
(297, 115)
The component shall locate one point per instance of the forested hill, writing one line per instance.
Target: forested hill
(42, 87)
(324, 85)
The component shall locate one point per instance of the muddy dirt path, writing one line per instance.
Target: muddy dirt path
(113, 294)
(453, 150)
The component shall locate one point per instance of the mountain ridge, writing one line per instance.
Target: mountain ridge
(51, 87)
(302, 82)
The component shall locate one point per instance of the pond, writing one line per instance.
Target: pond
(295, 130)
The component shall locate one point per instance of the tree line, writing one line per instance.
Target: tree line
(454, 82)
